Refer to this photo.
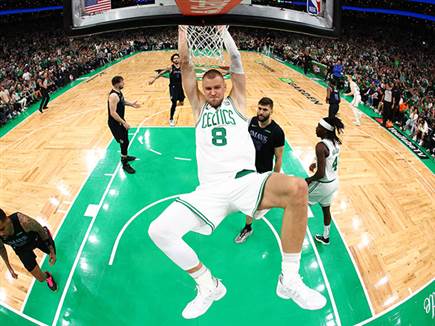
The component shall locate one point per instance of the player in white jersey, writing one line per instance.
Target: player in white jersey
(354, 90)
(228, 183)
(324, 183)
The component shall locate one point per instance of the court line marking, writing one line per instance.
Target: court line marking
(355, 266)
(182, 158)
(82, 245)
(325, 278)
(403, 157)
(409, 297)
(91, 210)
(345, 244)
(323, 272)
(275, 233)
(19, 313)
(85, 238)
(55, 233)
(121, 232)
(369, 301)
(388, 146)
(154, 151)
(348, 103)
(273, 230)
(319, 261)
(336, 224)
(23, 306)
(391, 147)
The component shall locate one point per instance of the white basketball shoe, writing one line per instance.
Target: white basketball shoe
(203, 300)
(296, 290)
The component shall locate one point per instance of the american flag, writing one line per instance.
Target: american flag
(95, 6)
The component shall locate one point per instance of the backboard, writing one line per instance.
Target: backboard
(317, 17)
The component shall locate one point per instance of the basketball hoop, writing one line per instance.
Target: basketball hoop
(206, 44)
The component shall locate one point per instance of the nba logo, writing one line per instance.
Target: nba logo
(313, 7)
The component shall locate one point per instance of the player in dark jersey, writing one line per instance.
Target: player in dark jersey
(24, 234)
(333, 98)
(175, 86)
(117, 124)
(269, 139)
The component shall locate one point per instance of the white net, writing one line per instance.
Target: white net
(206, 44)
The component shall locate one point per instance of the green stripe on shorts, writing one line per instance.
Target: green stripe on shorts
(313, 185)
(196, 212)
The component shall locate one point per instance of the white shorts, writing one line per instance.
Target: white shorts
(213, 202)
(322, 192)
(356, 100)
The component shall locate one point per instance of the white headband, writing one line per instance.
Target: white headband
(326, 125)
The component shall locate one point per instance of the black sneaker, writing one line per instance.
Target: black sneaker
(243, 235)
(131, 158)
(320, 238)
(127, 168)
(51, 282)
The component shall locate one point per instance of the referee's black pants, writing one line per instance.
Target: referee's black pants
(44, 101)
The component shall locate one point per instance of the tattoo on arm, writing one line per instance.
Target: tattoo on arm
(31, 225)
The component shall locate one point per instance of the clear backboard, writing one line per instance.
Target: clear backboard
(317, 17)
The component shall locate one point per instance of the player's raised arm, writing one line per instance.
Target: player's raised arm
(160, 74)
(190, 84)
(238, 78)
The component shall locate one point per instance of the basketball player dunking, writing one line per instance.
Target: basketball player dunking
(117, 124)
(175, 86)
(324, 183)
(24, 234)
(228, 183)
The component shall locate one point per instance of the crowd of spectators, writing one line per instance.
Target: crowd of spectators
(24, 59)
(378, 58)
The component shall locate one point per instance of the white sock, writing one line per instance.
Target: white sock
(326, 231)
(203, 278)
(290, 266)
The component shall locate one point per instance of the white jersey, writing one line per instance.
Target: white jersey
(331, 165)
(223, 144)
(354, 87)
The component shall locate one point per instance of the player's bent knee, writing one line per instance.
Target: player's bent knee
(297, 189)
(302, 186)
(159, 234)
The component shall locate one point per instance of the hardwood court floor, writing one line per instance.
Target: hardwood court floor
(384, 207)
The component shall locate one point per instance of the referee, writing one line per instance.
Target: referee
(269, 139)
(117, 124)
(43, 87)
